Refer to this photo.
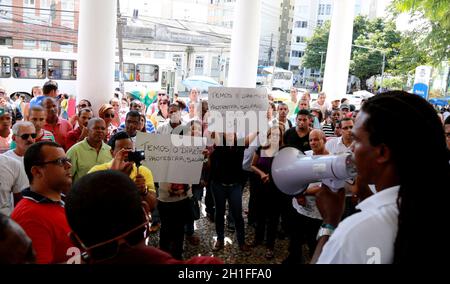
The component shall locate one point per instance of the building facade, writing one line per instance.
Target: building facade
(49, 25)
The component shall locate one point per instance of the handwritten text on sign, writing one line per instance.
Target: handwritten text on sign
(232, 108)
(171, 158)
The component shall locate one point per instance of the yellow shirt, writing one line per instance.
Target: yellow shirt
(144, 171)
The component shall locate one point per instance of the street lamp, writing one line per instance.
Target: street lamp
(382, 64)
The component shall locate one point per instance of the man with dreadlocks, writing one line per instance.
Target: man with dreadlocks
(396, 224)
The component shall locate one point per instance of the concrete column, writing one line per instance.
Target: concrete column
(339, 49)
(96, 51)
(245, 44)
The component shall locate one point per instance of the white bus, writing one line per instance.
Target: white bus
(20, 70)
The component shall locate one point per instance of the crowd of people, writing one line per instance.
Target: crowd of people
(68, 183)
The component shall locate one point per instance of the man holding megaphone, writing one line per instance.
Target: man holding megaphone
(396, 224)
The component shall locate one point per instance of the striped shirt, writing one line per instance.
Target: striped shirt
(328, 129)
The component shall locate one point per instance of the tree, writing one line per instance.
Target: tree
(316, 45)
(373, 34)
(434, 33)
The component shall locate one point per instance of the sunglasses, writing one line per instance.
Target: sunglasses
(160, 95)
(347, 128)
(59, 162)
(109, 115)
(164, 103)
(27, 135)
(83, 106)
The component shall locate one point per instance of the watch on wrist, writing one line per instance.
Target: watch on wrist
(325, 230)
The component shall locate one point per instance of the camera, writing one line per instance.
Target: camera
(137, 157)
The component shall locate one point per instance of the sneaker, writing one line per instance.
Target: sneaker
(154, 228)
(193, 240)
(218, 246)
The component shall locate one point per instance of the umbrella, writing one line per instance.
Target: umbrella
(202, 83)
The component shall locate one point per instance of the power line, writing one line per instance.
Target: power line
(39, 9)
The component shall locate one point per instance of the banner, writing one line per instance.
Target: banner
(421, 81)
(172, 158)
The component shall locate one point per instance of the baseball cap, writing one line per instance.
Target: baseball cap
(4, 110)
(344, 106)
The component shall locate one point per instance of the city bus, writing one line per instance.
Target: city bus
(20, 70)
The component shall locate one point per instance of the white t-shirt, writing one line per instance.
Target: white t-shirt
(366, 237)
(12, 180)
(336, 146)
(13, 155)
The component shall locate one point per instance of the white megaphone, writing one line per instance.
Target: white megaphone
(292, 171)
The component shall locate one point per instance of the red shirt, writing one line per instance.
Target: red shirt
(45, 222)
(73, 137)
(60, 131)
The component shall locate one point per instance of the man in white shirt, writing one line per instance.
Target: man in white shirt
(395, 225)
(12, 181)
(341, 144)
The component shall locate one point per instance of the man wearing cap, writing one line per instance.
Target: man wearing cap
(16, 113)
(345, 109)
(5, 128)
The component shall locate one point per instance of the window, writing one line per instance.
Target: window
(60, 69)
(68, 16)
(199, 65)
(147, 73)
(6, 41)
(321, 9)
(128, 72)
(29, 44)
(328, 12)
(300, 39)
(30, 68)
(319, 23)
(45, 45)
(297, 53)
(66, 47)
(28, 3)
(5, 67)
(301, 24)
(5, 11)
(178, 60)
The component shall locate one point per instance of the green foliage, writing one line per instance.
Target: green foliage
(436, 31)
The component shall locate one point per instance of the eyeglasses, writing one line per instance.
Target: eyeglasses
(27, 135)
(59, 162)
(110, 248)
(109, 115)
(347, 128)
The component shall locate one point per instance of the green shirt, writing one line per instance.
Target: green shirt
(84, 157)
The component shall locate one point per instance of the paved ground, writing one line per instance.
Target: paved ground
(231, 253)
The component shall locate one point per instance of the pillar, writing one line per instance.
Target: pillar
(245, 44)
(339, 50)
(96, 51)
